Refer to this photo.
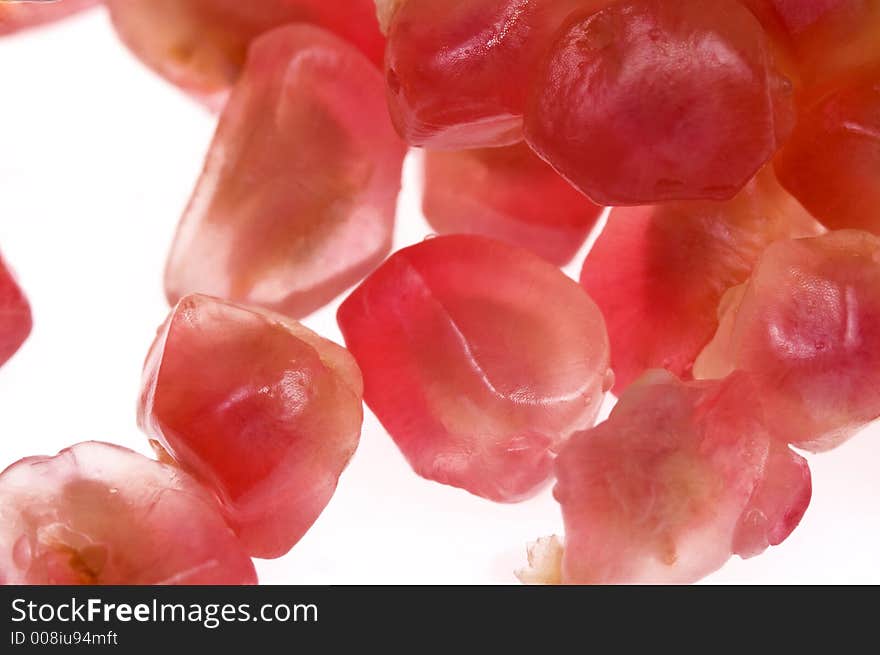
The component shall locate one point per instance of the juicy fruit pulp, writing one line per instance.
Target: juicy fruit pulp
(479, 359)
(832, 161)
(15, 315)
(806, 327)
(201, 45)
(649, 101)
(15, 16)
(681, 476)
(457, 72)
(658, 272)
(261, 409)
(102, 514)
(291, 211)
(508, 194)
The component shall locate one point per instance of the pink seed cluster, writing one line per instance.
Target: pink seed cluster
(730, 302)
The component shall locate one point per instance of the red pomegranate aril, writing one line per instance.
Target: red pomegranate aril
(680, 477)
(806, 327)
(832, 161)
(825, 39)
(648, 101)
(261, 409)
(658, 272)
(102, 514)
(15, 315)
(201, 45)
(291, 211)
(508, 194)
(458, 72)
(480, 359)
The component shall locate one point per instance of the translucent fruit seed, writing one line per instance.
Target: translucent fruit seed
(15, 315)
(658, 272)
(832, 161)
(508, 194)
(457, 72)
(825, 40)
(201, 45)
(291, 211)
(102, 514)
(262, 410)
(680, 477)
(649, 101)
(805, 328)
(479, 359)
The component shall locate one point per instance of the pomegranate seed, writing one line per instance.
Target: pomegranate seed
(672, 485)
(102, 514)
(263, 410)
(509, 194)
(201, 45)
(457, 72)
(649, 101)
(805, 326)
(291, 211)
(479, 359)
(826, 39)
(658, 272)
(832, 162)
(15, 315)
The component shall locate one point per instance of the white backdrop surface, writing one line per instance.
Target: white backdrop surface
(97, 159)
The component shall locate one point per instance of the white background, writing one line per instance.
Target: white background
(97, 159)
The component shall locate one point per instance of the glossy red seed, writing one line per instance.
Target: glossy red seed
(509, 194)
(832, 162)
(806, 326)
(16, 16)
(479, 359)
(263, 410)
(102, 514)
(15, 315)
(649, 101)
(458, 72)
(658, 272)
(291, 211)
(201, 45)
(672, 484)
